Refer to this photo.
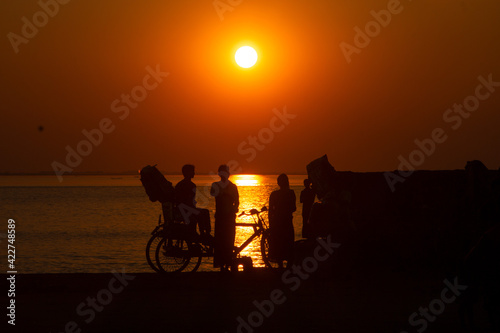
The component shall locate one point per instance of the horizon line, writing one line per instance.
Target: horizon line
(132, 173)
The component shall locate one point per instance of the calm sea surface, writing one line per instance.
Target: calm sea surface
(96, 224)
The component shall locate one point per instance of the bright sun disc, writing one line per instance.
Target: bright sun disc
(246, 57)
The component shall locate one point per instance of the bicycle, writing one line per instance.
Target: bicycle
(260, 229)
(180, 249)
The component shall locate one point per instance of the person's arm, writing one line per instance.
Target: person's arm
(294, 205)
(214, 189)
(313, 214)
(271, 205)
(302, 196)
(193, 196)
(236, 199)
(176, 194)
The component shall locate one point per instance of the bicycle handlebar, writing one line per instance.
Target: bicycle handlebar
(253, 212)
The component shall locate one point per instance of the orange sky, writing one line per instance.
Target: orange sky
(364, 113)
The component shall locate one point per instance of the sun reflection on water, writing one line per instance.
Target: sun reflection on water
(254, 192)
(247, 180)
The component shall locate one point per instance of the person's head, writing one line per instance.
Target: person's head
(322, 175)
(188, 171)
(223, 172)
(307, 183)
(283, 181)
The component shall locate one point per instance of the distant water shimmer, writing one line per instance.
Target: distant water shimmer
(96, 224)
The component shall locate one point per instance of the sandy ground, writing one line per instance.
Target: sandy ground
(375, 300)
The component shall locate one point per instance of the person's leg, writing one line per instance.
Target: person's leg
(306, 233)
(168, 212)
(217, 244)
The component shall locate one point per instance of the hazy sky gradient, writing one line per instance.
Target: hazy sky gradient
(363, 114)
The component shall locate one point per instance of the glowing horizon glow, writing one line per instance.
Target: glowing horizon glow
(246, 57)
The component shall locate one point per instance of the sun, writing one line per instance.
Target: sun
(246, 57)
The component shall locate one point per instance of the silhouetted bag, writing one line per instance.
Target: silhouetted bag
(157, 187)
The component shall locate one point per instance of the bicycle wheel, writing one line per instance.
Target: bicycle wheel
(268, 260)
(172, 255)
(151, 249)
(175, 255)
(195, 251)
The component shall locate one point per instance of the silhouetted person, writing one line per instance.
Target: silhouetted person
(185, 193)
(226, 206)
(307, 196)
(281, 208)
(324, 215)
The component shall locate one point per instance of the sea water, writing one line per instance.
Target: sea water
(97, 224)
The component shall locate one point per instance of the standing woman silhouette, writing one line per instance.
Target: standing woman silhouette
(281, 208)
(227, 202)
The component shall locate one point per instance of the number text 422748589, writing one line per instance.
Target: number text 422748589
(11, 264)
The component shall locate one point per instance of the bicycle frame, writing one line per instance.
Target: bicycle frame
(177, 243)
(258, 229)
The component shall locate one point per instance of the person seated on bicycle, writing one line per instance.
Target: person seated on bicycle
(185, 193)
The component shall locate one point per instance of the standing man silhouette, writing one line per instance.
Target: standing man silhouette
(307, 196)
(227, 202)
